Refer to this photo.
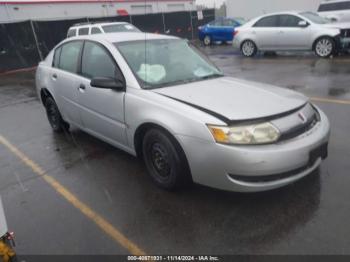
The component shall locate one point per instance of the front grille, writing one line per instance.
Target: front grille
(300, 129)
(314, 155)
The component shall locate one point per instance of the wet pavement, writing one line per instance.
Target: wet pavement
(308, 217)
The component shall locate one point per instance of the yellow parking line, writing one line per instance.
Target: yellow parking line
(102, 223)
(328, 100)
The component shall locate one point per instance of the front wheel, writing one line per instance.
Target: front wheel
(324, 47)
(165, 160)
(249, 48)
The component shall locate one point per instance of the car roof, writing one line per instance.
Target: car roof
(97, 24)
(123, 37)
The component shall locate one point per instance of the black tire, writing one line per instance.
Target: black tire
(54, 116)
(207, 41)
(249, 48)
(165, 160)
(324, 47)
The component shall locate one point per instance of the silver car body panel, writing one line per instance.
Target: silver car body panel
(185, 110)
(284, 38)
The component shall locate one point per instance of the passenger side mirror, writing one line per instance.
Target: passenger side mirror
(107, 83)
(303, 24)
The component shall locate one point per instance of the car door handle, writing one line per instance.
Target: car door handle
(82, 86)
(54, 76)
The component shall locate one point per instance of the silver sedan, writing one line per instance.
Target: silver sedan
(159, 98)
(289, 31)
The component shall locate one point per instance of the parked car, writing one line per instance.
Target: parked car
(170, 105)
(222, 29)
(336, 10)
(291, 31)
(100, 28)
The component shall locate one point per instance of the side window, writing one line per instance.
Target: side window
(95, 30)
(70, 56)
(217, 22)
(83, 31)
(56, 57)
(269, 21)
(72, 32)
(289, 21)
(97, 62)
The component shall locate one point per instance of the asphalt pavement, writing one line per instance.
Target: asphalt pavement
(73, 194)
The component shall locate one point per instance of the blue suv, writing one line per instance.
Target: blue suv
(221, 29)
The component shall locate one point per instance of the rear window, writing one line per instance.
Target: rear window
(71, 32)
(119, 28)
(83, 31)
(334, 6)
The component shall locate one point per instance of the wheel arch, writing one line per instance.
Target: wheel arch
(141, 132)
(248, 39)
(322, 36)
(44, 94)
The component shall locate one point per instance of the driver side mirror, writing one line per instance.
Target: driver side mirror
(303, 24)
(108, 83)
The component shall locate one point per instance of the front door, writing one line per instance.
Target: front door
(102, 110)
(291, 35)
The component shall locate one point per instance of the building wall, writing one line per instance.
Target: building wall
(252, 8)
(11, 11)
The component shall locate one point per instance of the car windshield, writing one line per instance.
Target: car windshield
(317, 19)
(166, 62)
(119, 28)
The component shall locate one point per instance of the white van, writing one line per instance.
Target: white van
(100, 28)
(336, 10)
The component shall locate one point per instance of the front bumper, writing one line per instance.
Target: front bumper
(223, 166)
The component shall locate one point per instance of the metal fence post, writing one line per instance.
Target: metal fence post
(164, 27)
(36, 41)
(192, 34)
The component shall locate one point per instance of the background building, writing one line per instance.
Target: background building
(19, 10)
(252, 8)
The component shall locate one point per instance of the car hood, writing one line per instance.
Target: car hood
(338, 25)
(235, 99)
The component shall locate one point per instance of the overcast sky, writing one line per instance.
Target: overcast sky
(210, 3)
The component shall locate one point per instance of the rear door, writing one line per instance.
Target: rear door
(64, 80)
(228, 29)
(291, 36)
(216, 30)
(102, 110)
(265, 31)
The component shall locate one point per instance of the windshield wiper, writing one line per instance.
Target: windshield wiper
(211, 76)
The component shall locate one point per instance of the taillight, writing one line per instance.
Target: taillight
(235, 32)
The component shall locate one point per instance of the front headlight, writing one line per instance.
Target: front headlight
(263, 133)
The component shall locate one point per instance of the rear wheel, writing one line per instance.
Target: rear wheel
(54, 116)
(249, 48)
(207, 40)
(324, 47)
(165, 160)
